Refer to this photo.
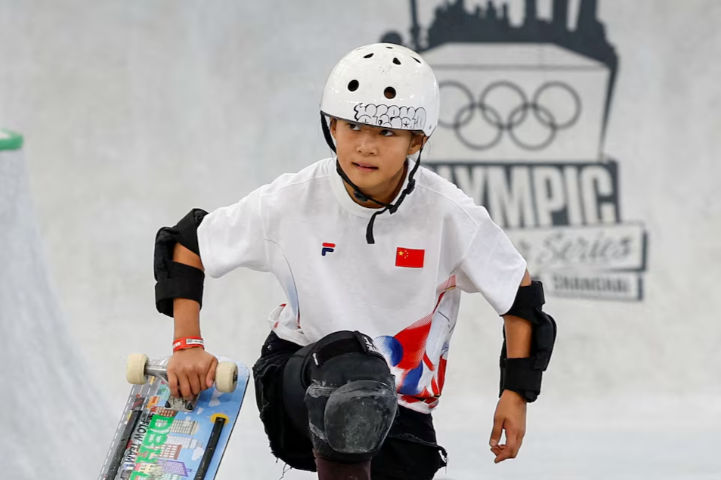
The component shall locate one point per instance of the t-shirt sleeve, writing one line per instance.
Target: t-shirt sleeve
(234, 236)
(491, 265)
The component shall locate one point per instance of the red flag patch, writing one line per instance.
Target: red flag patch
(409, 257)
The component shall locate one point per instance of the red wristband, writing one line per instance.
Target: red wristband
(188, 342)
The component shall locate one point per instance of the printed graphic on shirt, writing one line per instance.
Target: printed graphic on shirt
(409, 257)
(327, 248)
(525, 107)
(418, 354)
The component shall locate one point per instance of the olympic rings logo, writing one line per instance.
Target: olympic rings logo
(531, 124)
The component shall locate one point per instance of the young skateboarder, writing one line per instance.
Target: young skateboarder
(372, 252)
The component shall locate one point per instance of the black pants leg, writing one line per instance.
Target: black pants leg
(286, 442)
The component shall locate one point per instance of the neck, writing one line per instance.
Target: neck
(382, 196)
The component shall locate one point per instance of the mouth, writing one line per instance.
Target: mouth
(365, 166)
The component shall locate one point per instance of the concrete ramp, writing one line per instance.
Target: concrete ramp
(49, 411)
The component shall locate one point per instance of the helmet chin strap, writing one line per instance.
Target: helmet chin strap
(358, 193)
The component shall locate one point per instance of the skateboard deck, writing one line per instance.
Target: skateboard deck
(161, 437)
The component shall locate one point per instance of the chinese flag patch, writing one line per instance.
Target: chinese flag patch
(409, 257)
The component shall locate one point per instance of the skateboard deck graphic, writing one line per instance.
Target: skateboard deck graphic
(164, 438)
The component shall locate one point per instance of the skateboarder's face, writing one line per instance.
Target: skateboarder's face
(374, 157)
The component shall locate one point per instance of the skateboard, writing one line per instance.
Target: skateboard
(160, 437)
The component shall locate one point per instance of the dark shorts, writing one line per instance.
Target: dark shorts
(409, 451)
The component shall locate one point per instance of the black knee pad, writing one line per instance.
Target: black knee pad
(348, 393)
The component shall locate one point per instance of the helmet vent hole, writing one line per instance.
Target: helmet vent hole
(389, 48)
(396, 61)
(414, 58)
(390, 92)
(368, 56)
(353, 85)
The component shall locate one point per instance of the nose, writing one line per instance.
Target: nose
(367, 143)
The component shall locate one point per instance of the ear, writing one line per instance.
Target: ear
(333, 126)
(417, 141)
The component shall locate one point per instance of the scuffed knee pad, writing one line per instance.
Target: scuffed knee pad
(351, 400)
(350, 423)
(358, 416)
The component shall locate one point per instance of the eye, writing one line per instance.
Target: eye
(387, 133)
(353, 126)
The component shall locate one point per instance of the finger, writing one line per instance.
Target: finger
(194, 381)
(504, 454)
(210, 376)
(496, 432)
(184, 386)
(510, 449)
(201, 382)
(518, 441)
(173, 383)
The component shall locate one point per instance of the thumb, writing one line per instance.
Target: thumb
(496, 432)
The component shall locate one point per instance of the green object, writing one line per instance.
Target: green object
(10, 140)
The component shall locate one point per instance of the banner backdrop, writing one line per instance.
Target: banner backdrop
(524, 118)
(589, 129)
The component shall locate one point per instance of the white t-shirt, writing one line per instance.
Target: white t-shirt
(403, 291)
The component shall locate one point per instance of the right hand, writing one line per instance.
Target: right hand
(191, 371)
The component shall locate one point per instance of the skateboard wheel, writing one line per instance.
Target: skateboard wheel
(135, 368)
(226, 376)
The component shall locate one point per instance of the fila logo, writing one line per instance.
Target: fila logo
(327, 248)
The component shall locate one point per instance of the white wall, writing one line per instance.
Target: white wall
(134, 112)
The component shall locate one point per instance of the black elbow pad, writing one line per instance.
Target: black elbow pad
(173, 279)
(524, 375)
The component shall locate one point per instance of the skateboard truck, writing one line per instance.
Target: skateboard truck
(139, 368)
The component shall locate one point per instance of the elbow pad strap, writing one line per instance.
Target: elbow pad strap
(182, 281)
(518, 375)
(528, 300)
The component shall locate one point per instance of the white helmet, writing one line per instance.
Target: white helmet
(386, 85)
